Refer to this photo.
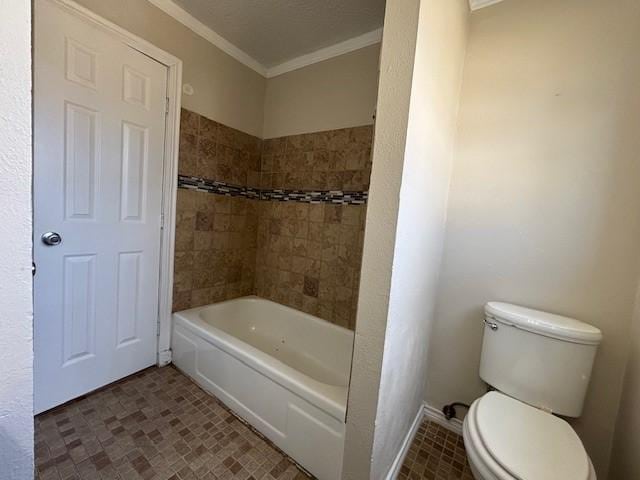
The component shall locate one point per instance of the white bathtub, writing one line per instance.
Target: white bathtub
(284, 371)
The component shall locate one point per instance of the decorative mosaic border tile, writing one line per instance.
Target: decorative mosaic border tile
(221, 188)
(327, 196)
(315, 196)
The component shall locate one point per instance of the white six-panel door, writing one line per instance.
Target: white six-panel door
(99, 126)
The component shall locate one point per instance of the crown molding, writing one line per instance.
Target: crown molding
(191, 22)
(355, 43)
(195, 25)
(478, 4)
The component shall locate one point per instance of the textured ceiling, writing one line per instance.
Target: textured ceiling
(274, 31)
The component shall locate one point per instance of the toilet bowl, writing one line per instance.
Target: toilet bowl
(507, 439)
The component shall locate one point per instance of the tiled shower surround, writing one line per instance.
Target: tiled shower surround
(302, 252)
(309, 257)
(215, 246)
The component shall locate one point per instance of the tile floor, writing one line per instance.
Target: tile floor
(436, 454)
(157, 424)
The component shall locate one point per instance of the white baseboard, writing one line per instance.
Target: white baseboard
(425, 412)
(435, 415)
(164, 357)
(406, 443)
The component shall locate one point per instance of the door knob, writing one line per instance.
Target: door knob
(52, 239)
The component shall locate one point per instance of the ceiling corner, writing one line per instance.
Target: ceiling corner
(356, 43)
(181, 15)
(192, 23)
(478, 4)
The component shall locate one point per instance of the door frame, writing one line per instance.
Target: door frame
(170, 163)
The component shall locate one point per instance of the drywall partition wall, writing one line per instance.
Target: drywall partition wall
(544, 208)
(626, 445)
(422, 60)
(413, 153)
(16, 320)
(428, 159)
(224, 89)
(396, 67)
(336, 93)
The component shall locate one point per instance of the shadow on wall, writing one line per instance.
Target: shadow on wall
(12, 455)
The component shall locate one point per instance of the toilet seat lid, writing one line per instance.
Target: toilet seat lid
(529, 443)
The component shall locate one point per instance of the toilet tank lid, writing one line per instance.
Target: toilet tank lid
(543, 323)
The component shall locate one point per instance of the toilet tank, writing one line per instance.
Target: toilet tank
(539, 358)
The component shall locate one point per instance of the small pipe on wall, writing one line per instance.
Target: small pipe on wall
(449, 411)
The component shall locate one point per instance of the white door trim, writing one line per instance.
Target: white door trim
(170, 161)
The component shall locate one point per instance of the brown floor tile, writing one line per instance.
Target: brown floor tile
(157, 424)
(436, 454)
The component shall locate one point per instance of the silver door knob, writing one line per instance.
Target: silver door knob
(52, 239)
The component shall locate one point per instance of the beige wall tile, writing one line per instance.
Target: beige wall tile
(215, 235)
(306, 256)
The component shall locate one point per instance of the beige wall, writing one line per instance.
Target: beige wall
(544, 200)
(419, 94)
(336, 93)
(225, 90)
(16, 320)
(626, 445)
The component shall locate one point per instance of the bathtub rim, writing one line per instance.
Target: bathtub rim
(331, 399)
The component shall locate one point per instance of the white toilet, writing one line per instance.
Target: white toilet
(539, 364)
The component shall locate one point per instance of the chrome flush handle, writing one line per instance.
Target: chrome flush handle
(492, 325)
